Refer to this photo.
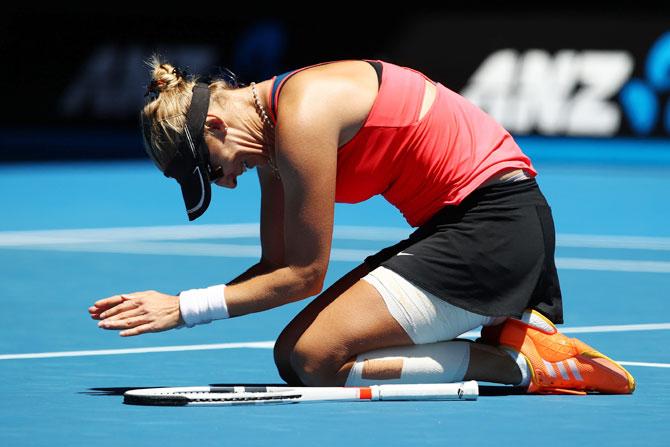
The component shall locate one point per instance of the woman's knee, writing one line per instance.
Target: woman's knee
(316, 364)
(282, 357)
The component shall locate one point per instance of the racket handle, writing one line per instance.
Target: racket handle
(468, 390)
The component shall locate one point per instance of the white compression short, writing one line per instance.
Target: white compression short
(425, 317)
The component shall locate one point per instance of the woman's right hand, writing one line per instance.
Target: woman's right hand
(137, 313)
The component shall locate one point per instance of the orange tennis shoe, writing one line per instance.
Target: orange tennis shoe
(558, 364)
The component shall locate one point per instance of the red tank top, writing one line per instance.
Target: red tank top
(419, 166)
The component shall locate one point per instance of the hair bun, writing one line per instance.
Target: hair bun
(165, 76)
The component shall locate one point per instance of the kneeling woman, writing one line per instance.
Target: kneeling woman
(343, 131)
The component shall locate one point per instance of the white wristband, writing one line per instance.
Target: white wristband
(201, 306)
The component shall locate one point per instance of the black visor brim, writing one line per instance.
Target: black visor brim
(190, 166)
(197, 193)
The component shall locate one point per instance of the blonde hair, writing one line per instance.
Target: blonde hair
(163, 117)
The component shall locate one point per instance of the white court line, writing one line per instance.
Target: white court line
(650, 365)
(251, 230)
(93, 235)
(612, 265)
(213, 346)
(337, 254)
(189, 249)
(617, 242)
(178, 232)
(158, 241)
(616, 328)
(270, 344)
(599, 329)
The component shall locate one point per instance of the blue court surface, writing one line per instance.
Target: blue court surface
(73, 233)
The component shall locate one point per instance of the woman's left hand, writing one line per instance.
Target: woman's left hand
(137, 313)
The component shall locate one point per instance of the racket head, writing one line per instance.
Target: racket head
(208, 396)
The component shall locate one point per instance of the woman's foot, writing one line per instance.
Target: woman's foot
(558, 364)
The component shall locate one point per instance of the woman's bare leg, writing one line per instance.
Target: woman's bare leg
(323, 341)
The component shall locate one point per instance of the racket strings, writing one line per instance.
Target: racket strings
(225, 396)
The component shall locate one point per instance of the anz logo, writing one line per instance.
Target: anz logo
(641, 99)
(575, 93)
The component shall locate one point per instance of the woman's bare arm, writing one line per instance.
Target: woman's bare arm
(296, 237)
(272, 218)
(307, 158)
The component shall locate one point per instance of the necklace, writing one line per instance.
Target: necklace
(266, 120)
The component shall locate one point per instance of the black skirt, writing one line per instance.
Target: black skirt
(493, 254)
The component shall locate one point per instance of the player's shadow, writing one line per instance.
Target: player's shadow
(501, 390)
(484, 390)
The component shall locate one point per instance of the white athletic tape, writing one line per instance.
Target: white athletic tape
(424, 317)
(443, 362)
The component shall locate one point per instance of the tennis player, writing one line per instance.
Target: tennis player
(482, 253)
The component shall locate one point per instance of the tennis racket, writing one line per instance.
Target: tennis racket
(255, 395)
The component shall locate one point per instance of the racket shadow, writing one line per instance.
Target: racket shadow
(119, 391)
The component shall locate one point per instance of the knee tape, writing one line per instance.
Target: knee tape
(442, 362)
